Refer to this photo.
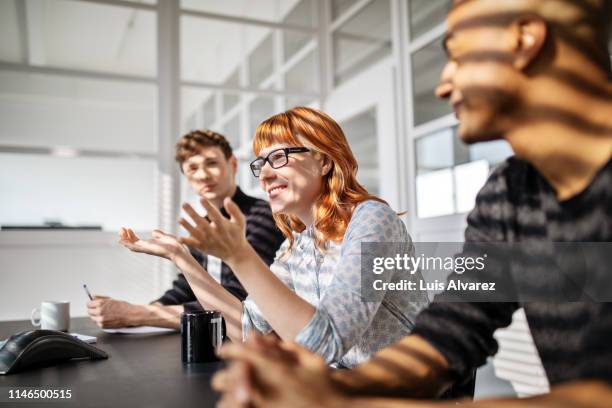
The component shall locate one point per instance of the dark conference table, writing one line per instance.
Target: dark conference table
(142, 370)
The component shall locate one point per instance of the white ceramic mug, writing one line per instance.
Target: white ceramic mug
(52, 315)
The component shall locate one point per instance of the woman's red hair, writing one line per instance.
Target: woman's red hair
(341, 192)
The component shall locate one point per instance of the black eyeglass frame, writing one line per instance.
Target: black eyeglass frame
(286, 150)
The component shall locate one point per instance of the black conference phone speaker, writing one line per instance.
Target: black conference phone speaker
(41, 348)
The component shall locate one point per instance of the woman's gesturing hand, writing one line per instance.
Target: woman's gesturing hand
(162, 244)
(217, 236)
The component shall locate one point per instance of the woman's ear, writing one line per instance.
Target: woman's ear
(327, 165)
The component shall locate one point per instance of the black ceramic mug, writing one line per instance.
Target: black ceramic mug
(202, 336)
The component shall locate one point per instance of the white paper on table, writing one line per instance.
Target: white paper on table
(139, 330)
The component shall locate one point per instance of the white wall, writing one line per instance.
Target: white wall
(46, 111)
(109, 192)
(53, 265)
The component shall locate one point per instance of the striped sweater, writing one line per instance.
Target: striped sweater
(262, 234)
(517, 204)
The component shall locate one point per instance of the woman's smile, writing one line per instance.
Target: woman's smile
(275, 190)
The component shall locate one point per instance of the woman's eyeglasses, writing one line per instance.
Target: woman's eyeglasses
(277, 158)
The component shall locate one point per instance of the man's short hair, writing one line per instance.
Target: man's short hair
(191, 143)
(587, 25)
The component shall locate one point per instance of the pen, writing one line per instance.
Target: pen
(87, 291)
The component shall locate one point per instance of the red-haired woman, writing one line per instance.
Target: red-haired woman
(312, 293)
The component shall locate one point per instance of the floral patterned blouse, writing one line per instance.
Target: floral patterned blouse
(346, 328)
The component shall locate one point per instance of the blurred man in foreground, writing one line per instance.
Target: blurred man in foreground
(537, 74)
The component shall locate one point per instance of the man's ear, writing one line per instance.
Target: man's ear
(234, 163)
(530, 35)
